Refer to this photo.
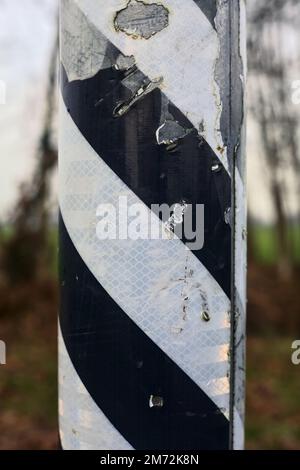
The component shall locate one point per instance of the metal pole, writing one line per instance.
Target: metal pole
(153, 224)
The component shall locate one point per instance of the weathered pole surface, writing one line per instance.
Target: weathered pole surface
(152, 328)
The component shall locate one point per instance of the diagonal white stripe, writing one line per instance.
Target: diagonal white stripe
(160, 284)
(184, 54)
(85, 422)
(83, 48)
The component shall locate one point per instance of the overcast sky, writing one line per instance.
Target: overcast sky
(27, 32)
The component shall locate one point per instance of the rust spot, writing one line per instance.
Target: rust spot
(221, 149)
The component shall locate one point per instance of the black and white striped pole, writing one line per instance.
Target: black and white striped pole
(152, 317)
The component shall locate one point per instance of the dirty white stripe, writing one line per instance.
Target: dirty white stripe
(184, 54)
(160, 284)
(85, 422)
(83, 48)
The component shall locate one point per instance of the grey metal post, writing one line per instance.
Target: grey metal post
(153, 224)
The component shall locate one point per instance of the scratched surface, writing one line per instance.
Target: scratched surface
(148, 112)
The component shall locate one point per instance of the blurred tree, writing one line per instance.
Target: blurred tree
(25, 252)
(270, 102)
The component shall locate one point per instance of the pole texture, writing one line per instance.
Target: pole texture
(152, 320)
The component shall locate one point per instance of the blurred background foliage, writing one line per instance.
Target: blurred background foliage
(28, 253)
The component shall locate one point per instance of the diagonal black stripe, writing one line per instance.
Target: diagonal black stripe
(209, 8)
(128, 145)
(121, 368)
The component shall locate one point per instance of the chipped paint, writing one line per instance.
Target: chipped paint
(124, 62)
(210, 93)
(165, 261)
(145, 89)
(231, 110)
(195, 40)
(156, 402)
(227, 216)
(216, 168)
(170, 132)
(141, 20)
